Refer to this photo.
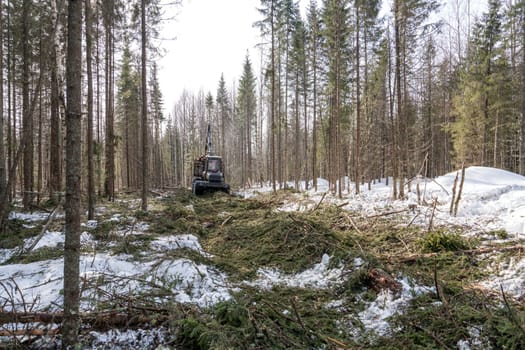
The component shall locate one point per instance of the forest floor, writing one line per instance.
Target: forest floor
(290, 270)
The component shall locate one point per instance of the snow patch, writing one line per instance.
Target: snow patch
(511, 277)
(28, 217)
(40, 283)
(376, 316)
(319, 276)
(178, 242)
(53, 239)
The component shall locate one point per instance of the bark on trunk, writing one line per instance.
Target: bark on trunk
(71, 321)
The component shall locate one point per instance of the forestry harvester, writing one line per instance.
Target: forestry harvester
(208, 171)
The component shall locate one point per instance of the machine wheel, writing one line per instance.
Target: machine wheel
(196, 189)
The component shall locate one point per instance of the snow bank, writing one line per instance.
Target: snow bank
(492, 199)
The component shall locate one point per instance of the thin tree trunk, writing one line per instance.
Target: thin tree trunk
(398, 154)
(89, 136)
(71, 322)
(144, 110)
(3, 174)
(357, 148)
(109, 183)
(55, 137)
(27, 118)
(272, 112)
(314, 107)
(522, 134)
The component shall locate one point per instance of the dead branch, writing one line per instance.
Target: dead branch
(512, 316)
(431, 222)
(430, 334)
(387, 213)
(479, 251)
(299, 320)
(460, 189)
(50, 219)
(439, 289)
(453, 194)
(319, 204)
(349, 218)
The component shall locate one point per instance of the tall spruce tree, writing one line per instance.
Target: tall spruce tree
(128, 116)
(246, 109)
(336, 34)
(224, 116)
(483, 120)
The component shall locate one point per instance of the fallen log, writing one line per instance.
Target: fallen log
(30, 317)
(96, 320)
(29, 332)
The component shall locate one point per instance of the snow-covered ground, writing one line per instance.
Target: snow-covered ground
(492, 200)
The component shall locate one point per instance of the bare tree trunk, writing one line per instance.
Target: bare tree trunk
(3, 173)
(398, 153)
(71, 322)
(55, 137)
(522, 134)
(109, 183)
(99, 128)
(314, 108)
(27, 118)
(89, 136)
(272, 102)
(357, 148)
(144, 110)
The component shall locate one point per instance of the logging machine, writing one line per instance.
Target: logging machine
(208, 171)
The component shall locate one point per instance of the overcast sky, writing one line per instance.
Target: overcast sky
(212, 37)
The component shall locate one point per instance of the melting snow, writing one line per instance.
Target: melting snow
(319, 276)
(492, 199)
(375, 316)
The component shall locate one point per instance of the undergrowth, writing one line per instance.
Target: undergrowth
(243, 236)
